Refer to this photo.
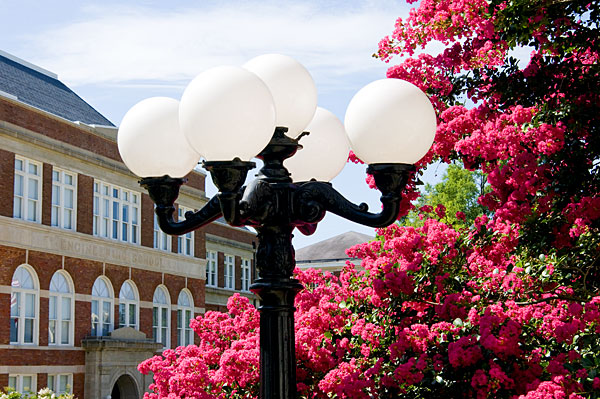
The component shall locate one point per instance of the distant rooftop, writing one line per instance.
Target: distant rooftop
(40, 88)
(333, 248)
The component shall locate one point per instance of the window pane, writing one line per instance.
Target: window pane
(18, 164)
(106, 312)
(51, 382)
(32, 211)
(33, 189)
(28, 331)
(55, 195)
(52, 331)
(64, 332)
(62, 383)
(164, 317)
(29, 305)
(14, 329)
(68, 219)
(52, 308)
(132, 312)
(68, 179)
(154, 316)
(18, 208)
(121, 314)
(33, 169)
(15, 302)
(66, 308)
(27, 384)
(68, 199)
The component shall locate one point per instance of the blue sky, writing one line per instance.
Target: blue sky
(114, 54)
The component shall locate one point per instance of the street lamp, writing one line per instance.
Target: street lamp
(229, 115)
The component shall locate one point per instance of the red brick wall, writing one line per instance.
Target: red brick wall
(4, 325)
(43, 322)
(195, 180)
(57, 129)
(45, 265)
(238, 273)
(10, 259)
(7, 182)
(200, 244)
(83, 321)
(46, 194)
(146, 322)
(147, 225)
(82, 267)
(78, 385)
(197, 288)
(36, 357)
(221, 230)
(85, 204)
(220, 269)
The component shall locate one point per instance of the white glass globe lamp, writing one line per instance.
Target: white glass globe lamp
(293, 88)
(227, 112)
(390, 121)
(150, 141)
(325, 149)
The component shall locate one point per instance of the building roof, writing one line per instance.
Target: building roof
(333, 248)
(40, 88)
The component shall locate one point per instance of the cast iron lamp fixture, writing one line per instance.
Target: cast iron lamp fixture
(228, 115)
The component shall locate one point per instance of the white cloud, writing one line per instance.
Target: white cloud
(125, 45)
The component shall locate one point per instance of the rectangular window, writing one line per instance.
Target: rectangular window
(229, 272)
(64, 198)
(116, 213)
(185, 243)
(245, 274)
(23, 383)
(27, 190)
(60, 383)
(162, 240)
(211, 268)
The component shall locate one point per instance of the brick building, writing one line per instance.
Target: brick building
(89, 286)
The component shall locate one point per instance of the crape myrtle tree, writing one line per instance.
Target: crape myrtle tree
(507, 306)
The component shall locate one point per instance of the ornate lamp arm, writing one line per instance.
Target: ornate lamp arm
(164, 191)
(313, 199)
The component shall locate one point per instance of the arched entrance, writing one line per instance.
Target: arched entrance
(124, 388)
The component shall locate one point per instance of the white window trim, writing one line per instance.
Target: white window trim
(58, 327)
(62, 186)
(25, 197)
(101, 300)
(127, 302)
(187, 238)
(103, 224)
(229, 278)
(245, 278)
(212, 269)
(183, 328)
(159, 307)
(55, 387)
(162, 241)
(36, 311)
(19, 382)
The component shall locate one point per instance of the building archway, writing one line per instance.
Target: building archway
(124, 388)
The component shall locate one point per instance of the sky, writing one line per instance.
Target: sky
(116, 53)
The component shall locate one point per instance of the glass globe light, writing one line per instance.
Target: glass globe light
(390, 121)
(150, 141)
(325, 150)
(227, 112)
(294, 91)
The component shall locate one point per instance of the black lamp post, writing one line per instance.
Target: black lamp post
(276, 203)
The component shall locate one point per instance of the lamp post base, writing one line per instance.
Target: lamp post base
(277, 337)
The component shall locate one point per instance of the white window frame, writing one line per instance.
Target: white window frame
(18, 385)
(109, 198)
(18, 307)
(245, 277)
(57, 296)
(27, 204)
(229, 272)
(161, 316)
(187, 240)
(185, 313)
(128, 302)
(53, 383)
(162, 240)
(63, 216)
(212, 269)
(101, 301)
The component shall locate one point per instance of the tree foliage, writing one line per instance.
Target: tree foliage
(505, 307)
(455, 196)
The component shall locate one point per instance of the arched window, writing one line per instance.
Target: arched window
(24, 300)
(128, 305)
(160, 316)
(102, 305)
(60, 310)
(185, 312)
